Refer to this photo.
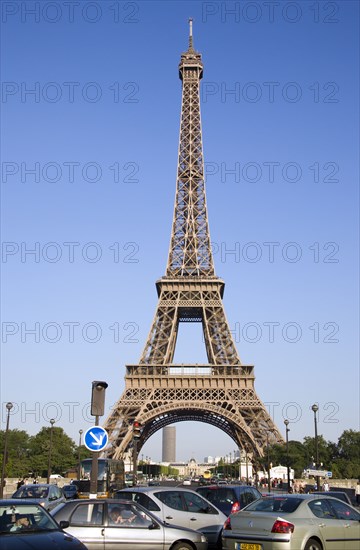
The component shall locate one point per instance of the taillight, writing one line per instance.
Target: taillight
(227, 525)
(235, 507)
(282, 527)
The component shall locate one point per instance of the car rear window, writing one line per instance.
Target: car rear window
(277, 504)
(218, 496)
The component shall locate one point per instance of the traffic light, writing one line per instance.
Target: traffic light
(98, 398)
(137, 429)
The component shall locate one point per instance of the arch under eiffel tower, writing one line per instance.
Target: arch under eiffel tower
(157, 391)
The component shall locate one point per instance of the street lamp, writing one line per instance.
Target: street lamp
(268, 461)
(247, 467)
(286, 422)
(79, 470)
(315, 409)
(52, 422)
(9, 406)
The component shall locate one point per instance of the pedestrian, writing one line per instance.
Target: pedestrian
(326, 487)
(20, 483)
(357, 493)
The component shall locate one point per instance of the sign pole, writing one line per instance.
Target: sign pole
(94, 470)
(97, 410)
(135, 457)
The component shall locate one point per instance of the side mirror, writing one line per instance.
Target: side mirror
(64, 524)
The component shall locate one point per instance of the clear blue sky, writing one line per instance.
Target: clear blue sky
(100, 134)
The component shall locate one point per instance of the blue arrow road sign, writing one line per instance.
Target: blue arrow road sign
(96, 438)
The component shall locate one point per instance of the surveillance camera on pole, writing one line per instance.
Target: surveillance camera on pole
(97, 410)
(98, 398)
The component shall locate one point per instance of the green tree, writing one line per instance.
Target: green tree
(349, 445)
(17, 451)
(346, 462)
(63, 451)
(297, 457)
(325, 450)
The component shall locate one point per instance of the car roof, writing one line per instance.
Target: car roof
(154, 489)
(340, 495)
(301, 496)
(98, 501)
(226, 486)
(38, 485)
(20, 502)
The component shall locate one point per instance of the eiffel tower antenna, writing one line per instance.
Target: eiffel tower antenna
(191, 46)
(159, 392)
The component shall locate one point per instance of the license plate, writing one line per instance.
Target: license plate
(247, 546)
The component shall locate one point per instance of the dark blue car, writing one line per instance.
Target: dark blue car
(26, 525)
(229, 498)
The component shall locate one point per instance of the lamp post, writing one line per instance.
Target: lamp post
(315, 409)
(247, 467)
(268, 461)
(79, 469)
(286, 422)
(9, 406)
(52, 422)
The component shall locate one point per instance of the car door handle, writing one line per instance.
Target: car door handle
(169, 517)
(102, 532)
(322, 524)
(192, 519)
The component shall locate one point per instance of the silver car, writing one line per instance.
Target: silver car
(106, 524)
(48, 495)
(180, 506)
(293, 522)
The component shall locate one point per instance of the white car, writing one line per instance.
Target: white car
(180, 506)
(55, 478)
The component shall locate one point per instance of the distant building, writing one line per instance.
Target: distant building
(169, 444)
(212, 459)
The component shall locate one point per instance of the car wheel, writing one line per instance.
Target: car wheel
(182, 546)
(313, 544)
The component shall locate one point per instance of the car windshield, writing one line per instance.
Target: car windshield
(32, 491)
(274, 504)
(15, 519)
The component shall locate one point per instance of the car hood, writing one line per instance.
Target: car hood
(40, 541)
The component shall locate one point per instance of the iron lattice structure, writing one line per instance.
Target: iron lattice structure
(221, 392)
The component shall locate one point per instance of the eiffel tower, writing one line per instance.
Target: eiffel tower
(157, 391)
